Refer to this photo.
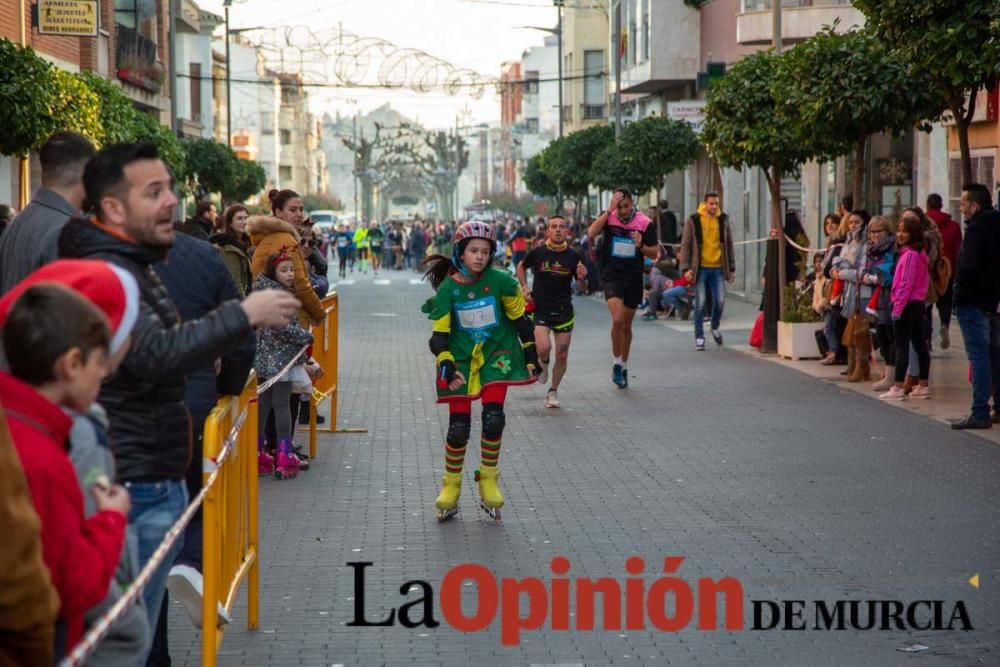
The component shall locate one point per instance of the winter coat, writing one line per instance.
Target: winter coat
(977, 277)
(150, 426)
(932, 246)
(911, 280)
(31, 240)
(200, 228)
(81, 554)
(129, 638)
(690, 253)
(850, 263)
(28, 601)
(237, 260)
(198, 283)
(880, 262)
(271, 235)
(276, 346)
(317, 262)
(951, 236)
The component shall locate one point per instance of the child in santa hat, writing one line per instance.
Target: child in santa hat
(65, 327)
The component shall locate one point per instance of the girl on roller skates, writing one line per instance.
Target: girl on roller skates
(276, 347)
(482, 343)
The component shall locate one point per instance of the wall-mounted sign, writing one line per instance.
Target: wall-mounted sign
(68, 17)
(690, 111)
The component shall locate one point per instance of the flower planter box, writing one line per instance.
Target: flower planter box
(797, 340)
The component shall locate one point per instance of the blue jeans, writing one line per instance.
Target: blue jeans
(714, 280)
(672, 297)
(981, 334)
(155, 508)
(830, 329)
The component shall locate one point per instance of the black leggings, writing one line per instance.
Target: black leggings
(909, 330)
(886, 344)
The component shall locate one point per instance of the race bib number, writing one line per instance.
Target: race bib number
(478, 315)
(341, 242)
(623, 248)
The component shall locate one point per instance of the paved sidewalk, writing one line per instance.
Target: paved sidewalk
(748, 470)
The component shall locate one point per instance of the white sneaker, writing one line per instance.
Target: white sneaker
(543, 377)
(921, 391)
(552, 399)
(894, 394)
(185, 583)
(699, 344)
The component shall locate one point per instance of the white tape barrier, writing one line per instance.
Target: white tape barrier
(99, 630)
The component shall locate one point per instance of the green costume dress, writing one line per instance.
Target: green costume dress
(482, 341)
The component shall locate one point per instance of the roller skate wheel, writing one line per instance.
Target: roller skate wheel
(444, 515)
(493, 512)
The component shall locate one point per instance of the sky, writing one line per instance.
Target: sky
(476, 34)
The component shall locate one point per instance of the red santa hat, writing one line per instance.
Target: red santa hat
(112, 289)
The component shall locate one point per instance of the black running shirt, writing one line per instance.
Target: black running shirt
(553, 271)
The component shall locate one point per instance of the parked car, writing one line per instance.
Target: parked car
(323, 220)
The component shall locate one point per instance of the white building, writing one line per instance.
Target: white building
(538, 122)
(193, 71)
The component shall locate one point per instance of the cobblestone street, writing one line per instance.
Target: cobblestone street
(797, 488)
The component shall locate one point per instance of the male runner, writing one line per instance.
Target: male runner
(553, 265)
(628, 238)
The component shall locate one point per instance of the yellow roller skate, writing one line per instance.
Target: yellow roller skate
(447, 500)
(491, 500)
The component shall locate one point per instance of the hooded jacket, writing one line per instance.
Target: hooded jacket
(691, 238)
(150, 426)
(271, 235)
(81, 554)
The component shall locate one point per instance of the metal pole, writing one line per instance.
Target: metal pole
(355, 169)
(24, 171)
(458, 159)
(776, 25)
(618, 66)
(229, 96)
(173, 67)
(559, 33)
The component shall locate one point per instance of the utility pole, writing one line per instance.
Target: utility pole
(617, 19)
(356, 210)
(229, 83)
(559, 34)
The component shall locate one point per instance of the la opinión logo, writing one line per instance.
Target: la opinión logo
(667, 604)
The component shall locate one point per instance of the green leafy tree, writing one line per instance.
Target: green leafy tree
(954, 44)
(115, 111)
(249, 179)
(29, 89)
(747, 124)
(536, 180)
(571, 158)
(844, 88)
(75, 107)
(659, 146)
(149, 129)
(210, 167)
(614, 167)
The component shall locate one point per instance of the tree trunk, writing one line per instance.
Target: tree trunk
(774, 185)
(859, 173)
(962, 126)
(656, 210)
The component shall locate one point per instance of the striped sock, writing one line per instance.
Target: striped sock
(454, 457)
(489, 451)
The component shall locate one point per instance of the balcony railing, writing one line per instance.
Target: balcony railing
(136, 60)
(762, 5)
(592, 111)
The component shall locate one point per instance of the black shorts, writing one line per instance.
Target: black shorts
(559, 320)
(629, 290)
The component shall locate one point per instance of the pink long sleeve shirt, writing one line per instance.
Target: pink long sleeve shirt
(911, 280)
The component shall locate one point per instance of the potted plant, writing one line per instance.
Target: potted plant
(798, 325)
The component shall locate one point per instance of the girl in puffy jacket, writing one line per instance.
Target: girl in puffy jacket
(909, 291)
(876, 283)
(279, 355)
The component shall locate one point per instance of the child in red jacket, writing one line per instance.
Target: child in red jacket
(57, 344)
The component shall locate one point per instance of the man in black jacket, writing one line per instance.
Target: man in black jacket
(131, 190)
(202, 225)
(977, 294)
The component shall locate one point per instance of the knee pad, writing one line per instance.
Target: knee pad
(493, 421)
(459, 427)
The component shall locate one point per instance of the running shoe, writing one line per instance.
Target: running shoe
(617, 376)
(699, 344)
(894, 394)
(717, 337)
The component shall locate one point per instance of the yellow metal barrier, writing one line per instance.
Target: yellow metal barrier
(231, 551)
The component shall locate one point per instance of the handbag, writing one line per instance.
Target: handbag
(757, 332)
